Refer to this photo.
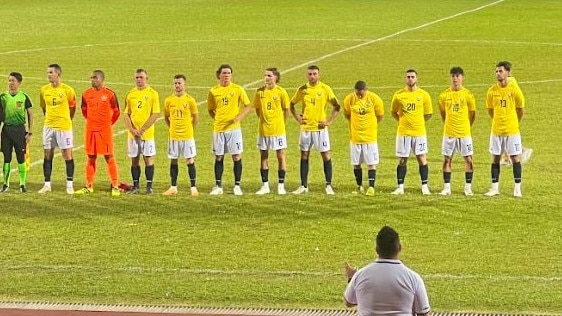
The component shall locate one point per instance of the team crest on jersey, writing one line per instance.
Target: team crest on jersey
(319, 93)
(19, 104)
(418, 99)
(275, 98)
(103, 98)
(145, 98)
(231, 94)
(61, 95)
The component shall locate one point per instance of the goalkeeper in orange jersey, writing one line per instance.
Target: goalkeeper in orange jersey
(100, 107)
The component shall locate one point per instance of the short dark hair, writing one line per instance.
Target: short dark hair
(57, 68)
(180, 76)
(275, 73)
(313, 67)
(412, 70)
(505, 64)
(99, 73)
(17, 75)
(221, 67)
(388, 242)
(457, 71)
(141, 70)
(360, 85)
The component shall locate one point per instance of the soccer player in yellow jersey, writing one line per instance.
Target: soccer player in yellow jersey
(458, 110)
(142, 108)
(58, 102)
(223, 104)
(181, 115)
(525, 151)
(272, 107)
(505, 103)
(411, 107)
(314, 96)
(364, 110)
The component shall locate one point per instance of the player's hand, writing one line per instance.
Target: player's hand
(349, 271)
(301, 119)
(323, 124)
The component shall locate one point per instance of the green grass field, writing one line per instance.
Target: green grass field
(475, 254)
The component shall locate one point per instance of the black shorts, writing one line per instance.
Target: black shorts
(13, 137)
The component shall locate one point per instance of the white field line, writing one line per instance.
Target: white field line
(269, 273)
(338, 52)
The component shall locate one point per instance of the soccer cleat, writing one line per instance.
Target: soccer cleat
(216, 191)
(44, 189)
(281, 189)
(517, 193)
(149, 190)
(330, 190)
(5, 189)
(84, 190)
(359, 190)
(425, 190)
(444, 192)
(370, 191)
(69, 190)
(468, 191)
(133, 190)
(23, 189)
(300, 190)
(237, 190)
(171, 191)
(115, 192)
(194, 191)
(398, 191)
(263, 190)
(492, 192)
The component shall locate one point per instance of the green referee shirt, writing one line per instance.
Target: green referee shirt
(14, 108)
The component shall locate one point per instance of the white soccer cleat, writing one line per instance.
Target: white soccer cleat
(425, 190)
(171, 191)
(216, 191)
(444, 192)
(44, 189)
(517, 193)
(281, 189)
(237, 190)
(330, 190)
(263, 190)
(69, 190)
(398, 191)
(468, 191)
(194, 191)
(301, 190)
(492, 192)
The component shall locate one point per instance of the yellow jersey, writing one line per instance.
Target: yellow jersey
(180, 110)
(56, 102)
(226, 102)
(363, 113)
(140, 105)
(271, 106)
(504, 101)
(457, 106)
(314, 100)
(411, 106)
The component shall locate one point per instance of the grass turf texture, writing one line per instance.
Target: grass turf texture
(475, 253)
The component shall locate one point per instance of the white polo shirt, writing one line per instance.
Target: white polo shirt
(387, 287)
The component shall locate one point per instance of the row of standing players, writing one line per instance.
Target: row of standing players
(228, 104)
